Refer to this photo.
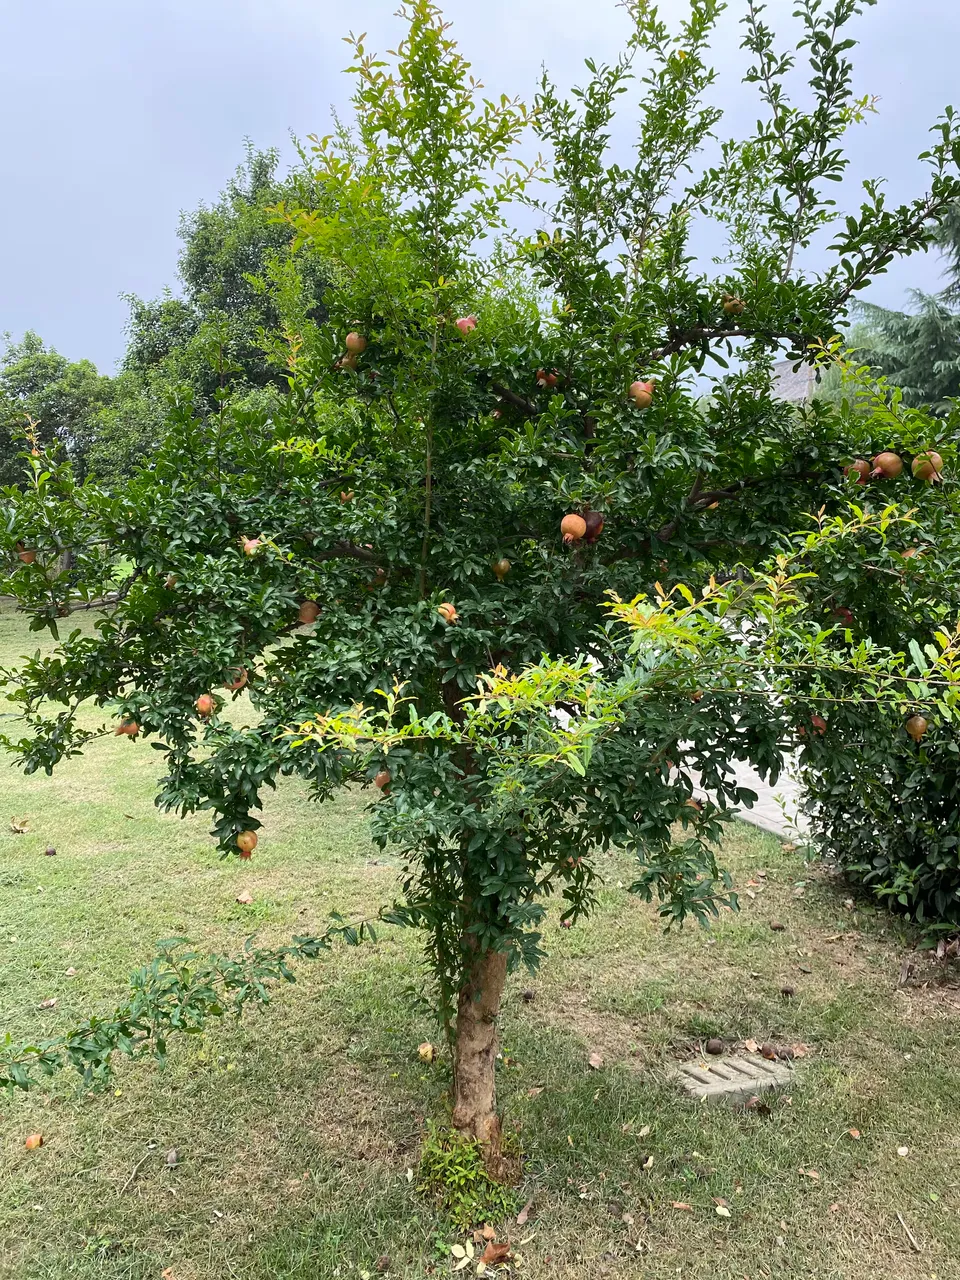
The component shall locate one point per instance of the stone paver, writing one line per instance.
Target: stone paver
(732, 1079)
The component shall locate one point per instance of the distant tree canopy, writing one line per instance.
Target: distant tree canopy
(238, 271)
(43, 392)
(919, 351)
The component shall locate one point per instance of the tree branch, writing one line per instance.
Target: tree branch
(511, 397)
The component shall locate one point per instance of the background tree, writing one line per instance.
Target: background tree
(406, 562)
(62, 398)
(919, 351)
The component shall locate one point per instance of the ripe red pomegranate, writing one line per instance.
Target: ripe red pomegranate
(356, 343)
(916, 726)
(573, 528)
(466, 324)
(127, 729)
(448, 613)
(886, 464)
(733, 305)
(860, 468)
(33, 1141)
(246, 843)
(26, 554)
(594, 523)
(383, 779)
(641, 393)
(250, 546)
(545, 379)
(240, 678)
(309, 611)
(205, 704)
(501, 569)
(348, 361)
(819, 724)
(927, 466)
(845, 614)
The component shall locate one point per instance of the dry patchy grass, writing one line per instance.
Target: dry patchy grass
(294, 1130)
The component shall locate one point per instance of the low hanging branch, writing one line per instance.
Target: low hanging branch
(177, 991)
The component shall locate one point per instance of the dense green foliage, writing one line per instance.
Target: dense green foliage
(519, 718)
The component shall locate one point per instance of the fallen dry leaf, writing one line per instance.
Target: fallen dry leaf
(426, 1051)
(854, 1133)
(722, 1210)
(488, 1233)
(246, 898)
(647, 1163)
(19, 825)
(524, 1213)
(167, 1274)
(642, 1133)
(49, 1004)
(679, 1204)
(800, 1050)
(71, 972)
(495, 1252)
(751, 1046)
(536, 1091)
(811, 1173)
(835, 1208)
(173, 1157)
(595, 1061)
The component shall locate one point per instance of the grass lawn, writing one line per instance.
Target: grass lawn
(296, 1131)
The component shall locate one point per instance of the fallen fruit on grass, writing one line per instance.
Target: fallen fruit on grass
(927, 466)
(466, 324)
(501, 569)
(886, 464)
(26, 554)
(205, 704)
(356, 343)
(641, 393)
(382, 780)
(426, 1051)
(788, 991)
(860, 468)
(309, 611)
(768, 1051)
(448, 613)
(240, 678)
(127, 728)
(714, 1046)
(916, 726)
(50, 851)
(250, 546)
(573, 528)
(246, 843)
(594, 523)
(33, 1141)
(245, 899)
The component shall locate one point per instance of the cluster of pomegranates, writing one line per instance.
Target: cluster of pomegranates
(586, 528)
(356, 344)
(926, 466)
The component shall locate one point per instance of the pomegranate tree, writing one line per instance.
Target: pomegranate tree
(632, 505)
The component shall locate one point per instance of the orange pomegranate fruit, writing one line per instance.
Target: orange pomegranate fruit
(916, 726)
(545, 379)
(205, 704)
(250, 546)
(887, 464)
(641, 393)
(356, 343)
(501, 568)
(732, 305)
(26, 554)
(860, 468)
(246, 843)
(466, 324)
(34, 1140)
(382, 780)
(240, 678)
(448, 612)
(573, 528)
(127, 729)
(309, 612)
(927, 466)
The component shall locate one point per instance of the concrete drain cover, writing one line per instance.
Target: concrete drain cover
(732, 1079)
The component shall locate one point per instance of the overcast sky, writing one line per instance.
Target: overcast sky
(121, 113)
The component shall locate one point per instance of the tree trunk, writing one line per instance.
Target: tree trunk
(475, 1054)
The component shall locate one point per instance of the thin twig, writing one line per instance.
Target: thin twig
(910, 1236)
(136, 1169)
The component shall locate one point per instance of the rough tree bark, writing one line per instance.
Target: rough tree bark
(475, 1053)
